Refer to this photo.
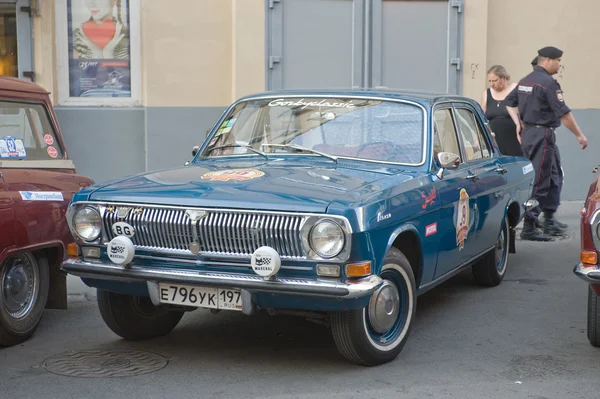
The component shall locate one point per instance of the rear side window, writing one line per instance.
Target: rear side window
(26, 133)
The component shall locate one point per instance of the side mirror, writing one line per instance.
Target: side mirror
(195, 150)
(449, 160)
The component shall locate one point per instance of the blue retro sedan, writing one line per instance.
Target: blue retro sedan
(341, 207)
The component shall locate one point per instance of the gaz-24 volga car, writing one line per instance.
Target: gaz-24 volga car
(341, 207)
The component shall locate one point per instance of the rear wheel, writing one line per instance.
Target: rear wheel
(136, 318)
(490, 270)
(24, 285)
(593, 318)
(377, 333)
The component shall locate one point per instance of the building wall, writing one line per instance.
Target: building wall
(509, 32)
(194, 63)
(201, 55)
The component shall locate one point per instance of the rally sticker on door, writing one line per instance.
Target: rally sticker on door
(462, 219)
(41, 196)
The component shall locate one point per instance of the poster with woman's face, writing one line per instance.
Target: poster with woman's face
(99, 54)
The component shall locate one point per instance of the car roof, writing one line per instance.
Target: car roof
(14, 84)
(422, 97)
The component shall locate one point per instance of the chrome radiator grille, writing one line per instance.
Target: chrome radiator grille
(218, 232)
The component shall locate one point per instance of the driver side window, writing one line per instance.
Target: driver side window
(444, 133)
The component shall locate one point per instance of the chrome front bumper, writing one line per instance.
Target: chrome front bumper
(285, 286)
(588, 274)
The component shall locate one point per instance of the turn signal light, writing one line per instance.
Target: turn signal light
(73, 249)
(589, 257)
(358, 269)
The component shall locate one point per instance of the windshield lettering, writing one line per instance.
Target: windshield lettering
(313, 104)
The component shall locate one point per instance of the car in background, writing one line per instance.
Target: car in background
(337, 206)
(37, 182)
(588, 268)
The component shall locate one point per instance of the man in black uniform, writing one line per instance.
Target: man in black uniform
(541, 109)
(539, 224)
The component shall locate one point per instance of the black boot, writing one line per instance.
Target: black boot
(531, 233)
(552, 227)
(539, 224)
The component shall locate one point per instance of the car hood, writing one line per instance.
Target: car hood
(268, 186)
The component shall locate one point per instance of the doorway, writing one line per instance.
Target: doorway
(9, 61)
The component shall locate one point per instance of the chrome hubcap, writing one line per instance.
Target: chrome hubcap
(500, 253)
(384, 307)
(19, 286)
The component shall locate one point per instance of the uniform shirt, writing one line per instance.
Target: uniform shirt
(539, 98)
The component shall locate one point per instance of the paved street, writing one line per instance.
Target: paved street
(523, 339)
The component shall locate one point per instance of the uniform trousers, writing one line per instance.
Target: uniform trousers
(539, 146)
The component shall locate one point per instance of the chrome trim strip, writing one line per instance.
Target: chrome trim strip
(198, 262)
(283, 286)
(590, 275)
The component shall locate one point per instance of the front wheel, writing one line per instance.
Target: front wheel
(377, 333)
(593, 318)
(135, 318)
(24, 286)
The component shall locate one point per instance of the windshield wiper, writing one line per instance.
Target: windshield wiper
(300, 148)
(242, 146)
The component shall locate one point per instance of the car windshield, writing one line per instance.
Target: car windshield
(359, 128)
(26, 133)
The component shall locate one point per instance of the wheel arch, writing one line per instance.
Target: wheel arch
(513, 213)
(406, 239)
(54, 253)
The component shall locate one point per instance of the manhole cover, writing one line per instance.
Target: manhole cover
(103, 364)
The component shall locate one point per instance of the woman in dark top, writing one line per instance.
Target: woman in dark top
(495, 110)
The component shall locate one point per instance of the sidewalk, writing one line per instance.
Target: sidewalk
(569, 211)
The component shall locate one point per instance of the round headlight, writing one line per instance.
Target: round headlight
(327, 239)
(87, 223)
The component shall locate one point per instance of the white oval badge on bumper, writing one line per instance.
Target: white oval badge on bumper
(120, 250)
(265, 262)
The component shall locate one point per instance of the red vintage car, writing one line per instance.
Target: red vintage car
(37, 181)
(588, 268)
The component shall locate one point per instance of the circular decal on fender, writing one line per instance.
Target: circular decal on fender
(265, 261)
(52, 152)
(233, 174)
(120, 250)
(48, 139)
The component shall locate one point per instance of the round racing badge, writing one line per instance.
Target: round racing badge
(462, 219)
(120, 250)
(265, 262)
(233, 174)
(52, 152)
(48, 139)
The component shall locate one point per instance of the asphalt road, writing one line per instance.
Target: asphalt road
(523, 339)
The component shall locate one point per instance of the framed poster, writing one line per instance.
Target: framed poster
(98, 51)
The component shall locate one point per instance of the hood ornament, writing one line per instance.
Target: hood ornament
(195, 215)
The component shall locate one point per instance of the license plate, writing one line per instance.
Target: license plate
(203, 297)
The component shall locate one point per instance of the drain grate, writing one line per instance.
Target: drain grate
(104, 364)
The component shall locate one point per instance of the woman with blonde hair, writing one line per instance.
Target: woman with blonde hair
(492, 103)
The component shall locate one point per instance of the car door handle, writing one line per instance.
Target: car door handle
(501, 170)
(472, 177)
